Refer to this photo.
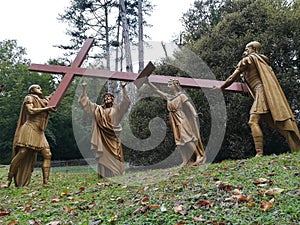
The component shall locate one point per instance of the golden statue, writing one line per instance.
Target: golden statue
(106, 128)
(183, 120)
(270, 104)
(30, 139)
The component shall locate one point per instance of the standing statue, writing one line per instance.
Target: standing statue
(270, 104)
(30, 139)
(183, 120)
(106, 128)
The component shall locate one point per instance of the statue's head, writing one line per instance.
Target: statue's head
(108, 98)
(175, 83)
(35, 89)
(255, 45)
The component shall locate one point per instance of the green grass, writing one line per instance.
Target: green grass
(231, 192)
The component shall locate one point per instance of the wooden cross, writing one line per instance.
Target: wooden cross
(75, 70)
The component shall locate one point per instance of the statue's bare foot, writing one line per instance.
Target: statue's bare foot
(183, 164)
(6, 185)
(199, 160)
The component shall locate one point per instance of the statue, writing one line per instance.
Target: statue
(270, 104)
(30, 139)
(183, 120)
(105, 141)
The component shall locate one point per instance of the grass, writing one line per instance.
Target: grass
(254, 191)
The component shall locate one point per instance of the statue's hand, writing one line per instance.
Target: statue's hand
(123, 84)
(216, 88)
(52, 109)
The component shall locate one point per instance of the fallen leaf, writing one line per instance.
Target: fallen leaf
(55, 200)
(154, 206)
(54, 223)
(273, 191)
(180, 210)
(67, 209)
(144, 200)
(266, 205)
(82, 188)
(160, 197)
(261, 182)
(250, 198)
(141, 210)
(250, 204)
(113, 218)
(120, 200)
(63, 193)
(4, 213)
(237, 192)
(198, 219)
(241, 198)
(225, 187)
(163, 208)
(27, 208)
(205, 203)
(13, 222)
(34, 222)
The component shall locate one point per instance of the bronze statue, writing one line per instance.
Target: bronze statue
(105, 141)
(30, 139)
(270, 104)
(183, 120)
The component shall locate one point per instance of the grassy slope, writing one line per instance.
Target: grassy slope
(255, 191)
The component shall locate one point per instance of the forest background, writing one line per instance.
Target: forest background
(216, 31)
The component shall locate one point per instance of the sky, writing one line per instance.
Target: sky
(34, 24)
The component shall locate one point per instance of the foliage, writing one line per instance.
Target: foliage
(254, 191)
(139, 124)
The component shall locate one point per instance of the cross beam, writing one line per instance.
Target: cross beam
(75, 70)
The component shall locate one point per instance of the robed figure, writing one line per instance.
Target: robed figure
(184, 123)
(106, 128)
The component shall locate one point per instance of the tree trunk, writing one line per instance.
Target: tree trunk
(129, 68)
(141, 34)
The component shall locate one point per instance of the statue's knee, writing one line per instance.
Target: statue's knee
(47, 154)
(252, 124)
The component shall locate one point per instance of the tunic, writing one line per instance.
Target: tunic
(30, 134)
(266, 91)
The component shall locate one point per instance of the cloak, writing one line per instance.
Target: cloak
(279, 107)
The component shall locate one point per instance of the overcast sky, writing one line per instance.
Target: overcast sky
(34, 24)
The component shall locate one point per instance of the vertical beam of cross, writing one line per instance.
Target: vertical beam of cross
(69, 76)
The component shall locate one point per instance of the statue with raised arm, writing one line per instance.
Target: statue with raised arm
(183, 119)
(106, 128)
(270, 104)
(29, 139)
